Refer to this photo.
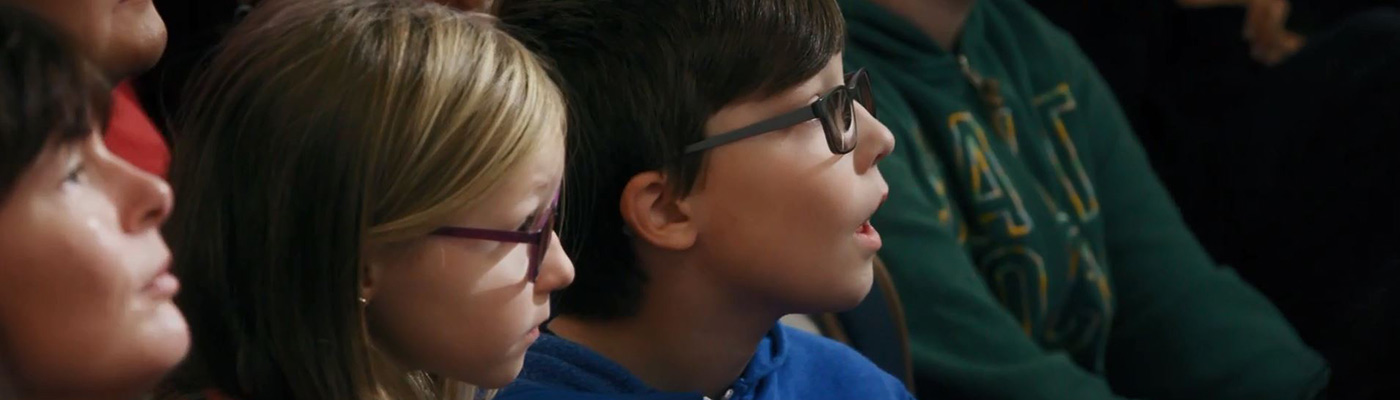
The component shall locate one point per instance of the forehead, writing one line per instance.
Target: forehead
(546, 165)
(521, 189)
(540, 172)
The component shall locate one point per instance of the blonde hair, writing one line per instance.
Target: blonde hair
(324, 129)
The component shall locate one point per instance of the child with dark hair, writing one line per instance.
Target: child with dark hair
(722, 173)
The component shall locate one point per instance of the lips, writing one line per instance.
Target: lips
(163, 284)
(866, 234)
(868, 237)
(539, 323)
(865, 228)
(866, 225)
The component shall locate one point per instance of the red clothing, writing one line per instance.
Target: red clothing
(132, 136)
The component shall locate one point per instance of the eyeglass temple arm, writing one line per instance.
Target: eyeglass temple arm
(772, 124)
(486, 234)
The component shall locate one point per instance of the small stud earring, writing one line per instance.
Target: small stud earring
(364, 301)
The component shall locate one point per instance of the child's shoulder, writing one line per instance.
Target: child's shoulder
(525, 389)
(824, 355)
(800, 342)
(831, 368)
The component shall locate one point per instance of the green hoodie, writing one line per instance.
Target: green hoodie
(1037, 255)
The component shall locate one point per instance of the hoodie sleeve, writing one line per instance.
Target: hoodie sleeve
(1185, 328)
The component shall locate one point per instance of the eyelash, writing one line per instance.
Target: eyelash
(75, 174)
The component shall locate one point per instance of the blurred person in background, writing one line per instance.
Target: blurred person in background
(1272, 123)
(195, 29)
(1037, 254)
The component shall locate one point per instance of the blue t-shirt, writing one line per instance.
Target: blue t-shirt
(788, 364)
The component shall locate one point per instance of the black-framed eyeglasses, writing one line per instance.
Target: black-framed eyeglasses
(538, 235)
(835, 110)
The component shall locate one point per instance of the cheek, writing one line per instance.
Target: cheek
(783, 229)
(87, 23)
(69, 304)
(457, 312)
(792, 201)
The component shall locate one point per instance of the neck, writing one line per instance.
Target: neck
(688, 336)
(941, 20)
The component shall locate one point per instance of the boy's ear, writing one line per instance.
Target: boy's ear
(650, 212)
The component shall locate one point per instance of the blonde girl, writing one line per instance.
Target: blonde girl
(368, 192)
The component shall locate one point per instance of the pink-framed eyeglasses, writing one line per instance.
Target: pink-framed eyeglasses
(538, 235)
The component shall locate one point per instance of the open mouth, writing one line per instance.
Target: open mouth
(868, 237)
(866, 233)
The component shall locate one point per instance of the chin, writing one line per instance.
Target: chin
(850, 299)
(146, 55)
(851, 291)
(139, 375)
(500, 375)
(842, 287)
(167, 339)
(138, 48)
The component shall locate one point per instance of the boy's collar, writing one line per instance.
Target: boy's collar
(770, 355)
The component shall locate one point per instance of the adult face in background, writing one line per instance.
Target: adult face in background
(123, 37)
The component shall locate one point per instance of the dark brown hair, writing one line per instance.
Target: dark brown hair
(641, 78)
(48, 93)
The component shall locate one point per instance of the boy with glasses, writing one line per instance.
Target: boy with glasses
(722, 174)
